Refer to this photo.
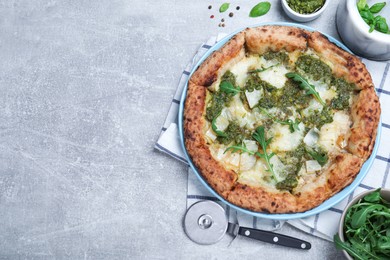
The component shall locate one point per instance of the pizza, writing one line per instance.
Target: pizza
(280, 119)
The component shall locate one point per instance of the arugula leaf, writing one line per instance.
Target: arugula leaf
(260, 9)
(239, 148)
(346, 246)
(293, 125)
(215, 128)
(262, 69)
(359, 218)
(224, 7)
(373, 197)
(376, 8)
(310, 89)
(321, 158)
(228, 88)
(259, 136)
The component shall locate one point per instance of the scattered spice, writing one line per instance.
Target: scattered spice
(210, 7)
(220, 24)
(222, 20)
(223, 25)
(237, 8)
(212, 16)
(231, 15)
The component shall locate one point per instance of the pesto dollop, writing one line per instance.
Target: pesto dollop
(344, 91)
(318, 119)
(234, 133)
(305, 6)
(289, 183)
(314, 68)
(281, 57)
(220, 99)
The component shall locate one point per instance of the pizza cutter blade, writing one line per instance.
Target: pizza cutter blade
(206, 223)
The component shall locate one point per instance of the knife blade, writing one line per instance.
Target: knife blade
(268, 237)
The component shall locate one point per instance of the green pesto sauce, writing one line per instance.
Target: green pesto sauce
(318, 119)
(344, 91)
(234, 133)
(229, 77)
(293, 95)
(289, 183)
(305, 6)
(318, 70)
(293, 159)
(314, 67)
(254, 82)
(282, 57)
(220, 99)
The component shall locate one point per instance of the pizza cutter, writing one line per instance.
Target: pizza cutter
(206, 223)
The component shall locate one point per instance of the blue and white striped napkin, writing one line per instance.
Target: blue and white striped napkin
(322, 225)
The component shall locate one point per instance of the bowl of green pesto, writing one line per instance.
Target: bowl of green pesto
(304, 10)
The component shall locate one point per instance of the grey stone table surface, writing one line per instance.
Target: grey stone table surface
(85, 87)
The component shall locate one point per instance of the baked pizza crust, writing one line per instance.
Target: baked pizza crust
(365, 113)
(207, 73)
(220, 179)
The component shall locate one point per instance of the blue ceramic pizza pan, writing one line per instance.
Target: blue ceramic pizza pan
(326, 204)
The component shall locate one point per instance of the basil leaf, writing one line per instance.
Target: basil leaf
(224, 7)
(381, 24)
(376, 8)
(367, 16)
(361, 4)
(260, 9)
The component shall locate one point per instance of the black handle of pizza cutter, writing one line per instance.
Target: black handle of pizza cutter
(274, 238)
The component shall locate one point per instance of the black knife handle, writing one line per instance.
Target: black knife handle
(274, 238)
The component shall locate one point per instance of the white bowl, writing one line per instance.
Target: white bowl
(303, 17)
(353, 31)
(385, 194)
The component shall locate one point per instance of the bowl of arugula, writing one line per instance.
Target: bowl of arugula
(364, 230)
(363, 27)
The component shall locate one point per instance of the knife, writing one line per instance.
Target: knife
(267, 236)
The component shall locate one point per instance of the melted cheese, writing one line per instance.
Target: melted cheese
(283, 139)
(279, 168)
(247, 161)
(255, 176)
(253, 97)
(241, 68)
(331, 132)
(276, 76)
(314, 106)
(323, 90)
